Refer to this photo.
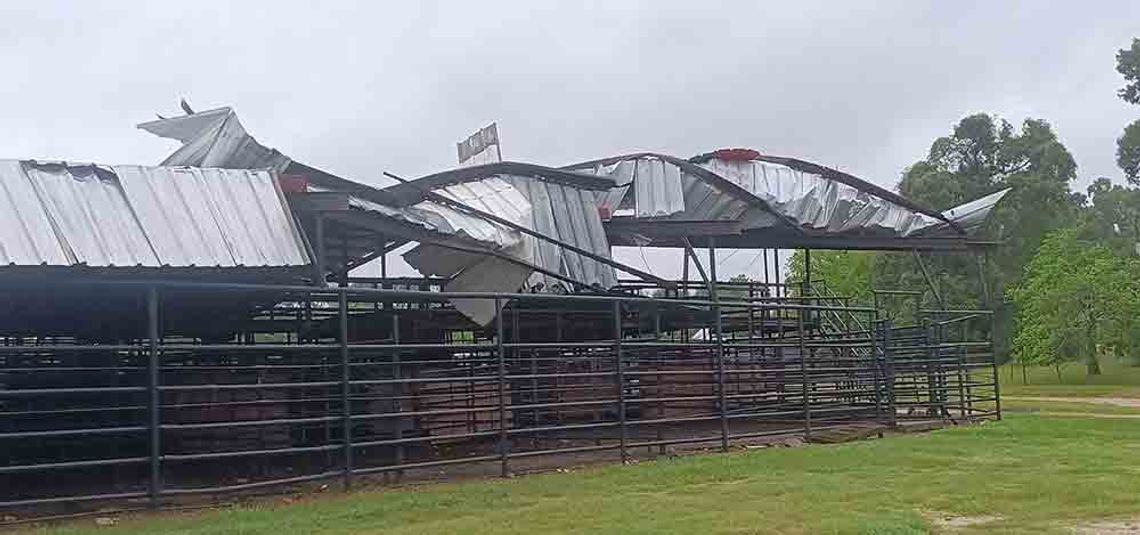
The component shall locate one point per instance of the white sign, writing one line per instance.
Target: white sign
(480, 148)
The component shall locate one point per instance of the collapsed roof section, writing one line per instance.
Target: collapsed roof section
(556, 204)
(71, 214)
(508, 225)
(745, 199)
(441, 212)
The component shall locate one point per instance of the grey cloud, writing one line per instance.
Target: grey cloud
(359, 88)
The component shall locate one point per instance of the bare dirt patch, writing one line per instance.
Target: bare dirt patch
(950, 522)
(1117, 402)
(1110, 527)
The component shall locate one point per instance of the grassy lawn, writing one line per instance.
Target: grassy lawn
(1117, 380)
(1049, 466)
(1037, 473)
(1036, 406)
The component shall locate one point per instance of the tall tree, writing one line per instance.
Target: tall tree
(1113, 216)
(982, 154)
(1076, 301)
(1128, 145)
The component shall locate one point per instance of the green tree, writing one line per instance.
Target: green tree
(981, 155)
(846, 273)
(1077, 300)
(1113, 216)
(1128, 65)
(1128, 145)
(1128, 152)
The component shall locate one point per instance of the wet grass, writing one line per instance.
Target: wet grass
(1116, 380)
(1034, 406)
(1036, 473)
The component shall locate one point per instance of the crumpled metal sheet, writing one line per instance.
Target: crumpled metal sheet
(972, 215)
(491, 195)
(562, 212)
(570, 215)
(820, 203)
(662, 189)
(215, 138)
(56, 213)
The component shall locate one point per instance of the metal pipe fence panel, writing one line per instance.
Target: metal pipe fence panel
(342, 383)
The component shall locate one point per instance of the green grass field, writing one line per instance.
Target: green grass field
(1050, 466)
(1116, 380)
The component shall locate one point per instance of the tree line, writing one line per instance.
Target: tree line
(1065, 280)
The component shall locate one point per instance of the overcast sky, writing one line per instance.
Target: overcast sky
(362, 88)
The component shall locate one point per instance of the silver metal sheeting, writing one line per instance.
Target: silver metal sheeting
(971, 215)
(663, 189)
(55, 213)
(817, 202)
(650, 187)
(490, 195)
(561, 212)
(215, 138)
(569, 215)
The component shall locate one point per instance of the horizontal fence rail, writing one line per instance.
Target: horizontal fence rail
(310, 384)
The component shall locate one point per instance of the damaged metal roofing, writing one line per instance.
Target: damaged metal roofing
(62, 214)
(770, 192)
(215, 138)
(553, 202)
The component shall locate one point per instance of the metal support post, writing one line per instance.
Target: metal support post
(504, 455)
(620, 370)
(345, 386)
(399, 388)
(877, 364)
(994, 364)
(803, 372)
(720, 379)
(889, 365)
(963, 398)
(319, 261)
(153, 399)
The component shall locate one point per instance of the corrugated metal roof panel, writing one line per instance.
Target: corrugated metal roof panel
(213, 217)
(663, 189)
(69, 214)
(658, 189)
(491, 195)
(215, 138)
(560, 211)
(87, 208)
(570, 215)
(26, 234)
(815, 201)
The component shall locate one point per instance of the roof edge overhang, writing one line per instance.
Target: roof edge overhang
(640, 232)
(842, 178)
(415, 191)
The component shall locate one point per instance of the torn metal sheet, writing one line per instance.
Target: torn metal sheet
(652, 186)
(570, 215)
(215, 138)
(761, 193)
(559, 211)
(57, 213)
(819, 203)
(972, 215)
